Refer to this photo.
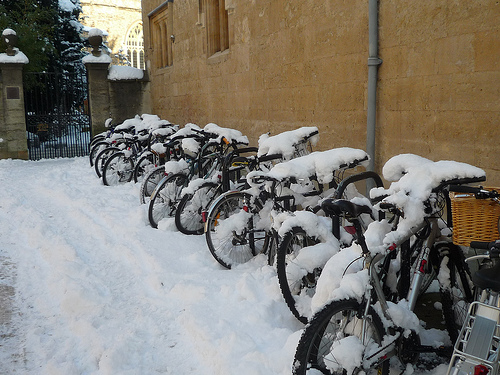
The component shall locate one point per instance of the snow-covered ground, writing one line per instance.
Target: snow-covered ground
(88, 287)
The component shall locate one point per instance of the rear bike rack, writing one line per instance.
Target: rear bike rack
(479, 341)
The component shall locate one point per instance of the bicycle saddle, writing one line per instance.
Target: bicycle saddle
(488, 278)
(339, 207)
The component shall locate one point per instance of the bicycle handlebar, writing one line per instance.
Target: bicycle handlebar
(357, 177)
(392, 208)
(270, 157)
(458, 181)
(479, 192)
(493, 246)
(307, 137)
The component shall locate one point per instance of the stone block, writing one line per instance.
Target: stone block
(484, 43)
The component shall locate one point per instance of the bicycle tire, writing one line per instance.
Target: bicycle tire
(295, 289)
(95, 139)
(102, 157)
(150, 181)
(118, 169)
(165, 198)
(231, 247)
(188, 216)
(96, 149)
(144, 164)
(314, 349)
(457, 296)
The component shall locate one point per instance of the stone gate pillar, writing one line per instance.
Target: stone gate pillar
(116, 92)
(97, 64)
(97, 73)
(13, 140)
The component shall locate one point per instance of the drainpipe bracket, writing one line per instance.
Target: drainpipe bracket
(374, 61)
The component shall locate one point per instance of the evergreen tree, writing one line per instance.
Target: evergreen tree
(67, 39)
(49, 35)
(48, 32)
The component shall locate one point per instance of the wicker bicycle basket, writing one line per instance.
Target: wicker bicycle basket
(474, 219)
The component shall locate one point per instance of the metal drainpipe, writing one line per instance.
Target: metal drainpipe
(373, 62)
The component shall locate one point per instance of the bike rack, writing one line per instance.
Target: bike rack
(478, 342)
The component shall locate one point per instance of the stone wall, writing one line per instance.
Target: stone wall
(13, 142)
(439, 92)
(114, 16)
(116, 99)
(294, 64)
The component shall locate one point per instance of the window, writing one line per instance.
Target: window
(161, 21)
(216, 25)
(134, 46)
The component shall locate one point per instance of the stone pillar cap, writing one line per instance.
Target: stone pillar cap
(12, 54)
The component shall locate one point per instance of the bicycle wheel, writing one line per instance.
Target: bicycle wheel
(150, 181)
(455, 288)
(118, 169)
(296, 282)
(102, 157)
(165, 198)
(95, 139)
(143, 165)
(326, 345)
(96, 149)
(231, 233)
(188, 216)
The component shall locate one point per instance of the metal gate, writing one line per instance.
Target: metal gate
(57, 116)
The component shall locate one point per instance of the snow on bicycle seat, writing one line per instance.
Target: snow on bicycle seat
(129, 124)
(166, 130)
(321, 164)
(288, 143)
(188, 129)
(152, 122)
(397, 166)
(416, 185)
(231, 135)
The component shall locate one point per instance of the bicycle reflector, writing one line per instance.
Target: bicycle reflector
(481, 370)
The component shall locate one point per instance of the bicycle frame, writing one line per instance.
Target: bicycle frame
(375, 281)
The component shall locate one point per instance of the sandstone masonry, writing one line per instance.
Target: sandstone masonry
(292, 64)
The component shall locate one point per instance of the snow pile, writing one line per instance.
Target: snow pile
(231, 135)
(87, 29)
(130, 123)
(95, 32)
(419, 176)
(103, 58)
(397, 166)
(18, 58)
(98, 291)
(143, 123)
(8, 31)
(176, 166)
(190, 146)
(321, 164)
(343, 263)
(118, 72)
(288, 143)
(67, 6)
